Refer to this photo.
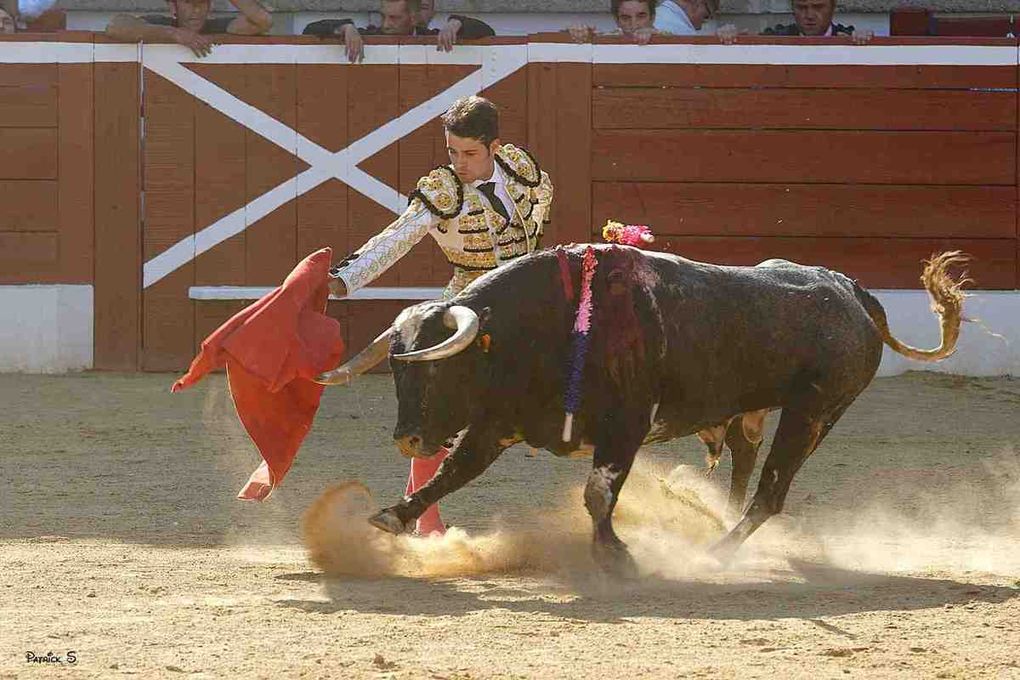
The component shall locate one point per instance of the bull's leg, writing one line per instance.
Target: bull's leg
(600, 496)
(468, 460)
(611, 464)
(797, 437)
(744, 437)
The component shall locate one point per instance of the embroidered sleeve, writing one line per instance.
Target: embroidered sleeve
(441, 192)
(543, 193)
(380, 253)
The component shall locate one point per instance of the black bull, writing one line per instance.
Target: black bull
(676, 347)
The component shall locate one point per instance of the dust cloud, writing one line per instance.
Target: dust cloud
(670, 517)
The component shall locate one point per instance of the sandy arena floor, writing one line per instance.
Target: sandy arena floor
(120, 540)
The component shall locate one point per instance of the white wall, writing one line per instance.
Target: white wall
(49, 329)
(45, 329)
(989, 344)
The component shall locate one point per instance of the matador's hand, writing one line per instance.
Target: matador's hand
(337, 287)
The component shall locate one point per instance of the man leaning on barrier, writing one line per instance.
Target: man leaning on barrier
(814, 18)
(634, 21)
(402, 18)
(189, 23)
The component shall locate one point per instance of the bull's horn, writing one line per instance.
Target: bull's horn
(363, 361)
(465, 321)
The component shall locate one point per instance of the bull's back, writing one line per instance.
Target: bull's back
(757, 334)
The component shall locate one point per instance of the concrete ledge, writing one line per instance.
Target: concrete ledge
(989, 345)
(45, 329)
(554, 6)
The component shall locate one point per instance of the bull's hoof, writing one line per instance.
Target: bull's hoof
(615, 559)
(724, 550)
(388, 521)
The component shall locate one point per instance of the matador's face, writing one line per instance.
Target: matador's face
(472, 159)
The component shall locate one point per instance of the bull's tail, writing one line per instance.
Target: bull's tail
(946, 301)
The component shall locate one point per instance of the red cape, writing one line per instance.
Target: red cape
(272, 349)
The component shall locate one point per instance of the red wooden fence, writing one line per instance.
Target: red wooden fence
(864, 168)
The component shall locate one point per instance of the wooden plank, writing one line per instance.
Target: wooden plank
(169, 176)
(322, 117)
(876, 263)
(809, 209)
(61, 36)
(366, 320)
(373, 99)
(28, 153)
(571, 215)
(28, 95)
(543, 136)
(211, 314)
(989, 26)
(118, 238)
(543, 98)
(424, 265)
(220, 180)
(322, 220)
(28, 258)
(76, 166)
(29, 205)
(511, 96)
(338, 309)
(559, 137)
(826, 76)
(271, 242)
(822, 109)
(805, 155)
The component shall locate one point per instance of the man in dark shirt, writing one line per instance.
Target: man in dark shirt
(402, 17)
(189, 23)
(811, 18)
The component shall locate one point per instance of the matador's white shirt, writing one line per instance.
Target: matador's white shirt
(474, 237)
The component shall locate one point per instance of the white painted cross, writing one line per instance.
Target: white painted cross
(495, 62)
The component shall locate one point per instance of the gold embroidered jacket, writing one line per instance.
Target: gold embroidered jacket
(473, 236)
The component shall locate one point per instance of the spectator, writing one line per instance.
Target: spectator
(811, 18)
(6, 21)
(402, 17)
(189, 23)
(426, 10)
(8, 16)
(633, 19)
(684, 17)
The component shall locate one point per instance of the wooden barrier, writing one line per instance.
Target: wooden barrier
(46, 171)
(153, 175)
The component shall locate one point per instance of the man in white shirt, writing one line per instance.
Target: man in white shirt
(684, 17)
